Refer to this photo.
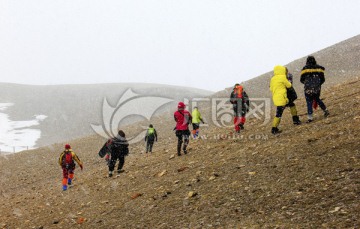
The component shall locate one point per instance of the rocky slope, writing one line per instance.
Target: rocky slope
(306, 177)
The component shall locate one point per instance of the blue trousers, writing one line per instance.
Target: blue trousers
(309, 102)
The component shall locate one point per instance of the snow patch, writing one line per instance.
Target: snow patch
(16, 136)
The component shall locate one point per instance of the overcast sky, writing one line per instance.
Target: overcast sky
(206, 44)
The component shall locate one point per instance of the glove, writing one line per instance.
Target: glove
(81, 167)
(107, 157)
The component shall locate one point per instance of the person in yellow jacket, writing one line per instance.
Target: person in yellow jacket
(67, 162)
(196, 119)
(279, 85)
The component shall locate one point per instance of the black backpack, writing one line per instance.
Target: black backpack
(291, 94)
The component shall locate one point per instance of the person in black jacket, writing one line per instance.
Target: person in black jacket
(150, 137)
(313, 76)
(241, 103)
(119, 149)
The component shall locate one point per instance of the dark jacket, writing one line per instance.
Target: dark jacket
(119, 146)
(312, 76)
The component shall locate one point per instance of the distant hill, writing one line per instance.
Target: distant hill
(341, 62)
(70, 109)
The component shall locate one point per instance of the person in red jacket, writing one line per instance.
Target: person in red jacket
(183, 119)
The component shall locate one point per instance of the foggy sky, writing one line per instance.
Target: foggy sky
(206, 44)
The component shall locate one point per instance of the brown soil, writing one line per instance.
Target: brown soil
(306, 177)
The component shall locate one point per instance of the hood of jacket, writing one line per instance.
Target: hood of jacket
(310, 60)
(279, 70)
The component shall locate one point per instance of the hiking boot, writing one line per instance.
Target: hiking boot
(69, 181)
(241, 126)
(275, 130)
(185, 151)
(296, 120)
(309, 120)
(64, 187)
(326, 113)
(110, 174)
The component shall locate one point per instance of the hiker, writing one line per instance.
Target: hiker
(292, 96)
(196, 119)
(119, 149)
(66, 161)
(279, 86)
(183, 119)
(313, 76)
(241, 104)
(150, 137)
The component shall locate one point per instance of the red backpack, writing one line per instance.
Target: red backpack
(67, 159)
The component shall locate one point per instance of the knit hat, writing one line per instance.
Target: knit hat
(67, 146)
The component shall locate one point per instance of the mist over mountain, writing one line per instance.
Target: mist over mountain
(71, 109)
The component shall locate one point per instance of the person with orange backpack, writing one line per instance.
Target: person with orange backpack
(241, 104)
(67, 162)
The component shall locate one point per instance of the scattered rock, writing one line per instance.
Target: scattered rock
(162, 173)
(182, 169)
(56, 221)
(198, 173)
(212, 178)
(312, 139)
(192, 194)
(172, 156)
(165, 194)
(176, 182)
(80, 220)
(252, 173)
(240, 166)
(195, 180)
(335, 210)
(136, 195)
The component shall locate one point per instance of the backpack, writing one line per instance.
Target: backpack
(67, 160)
(151, 134)
(237, 94)
(291, 94)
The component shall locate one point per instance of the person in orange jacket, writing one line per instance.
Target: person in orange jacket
(67, 162)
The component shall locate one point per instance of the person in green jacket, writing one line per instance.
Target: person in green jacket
(196, 119)
(150, 137)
